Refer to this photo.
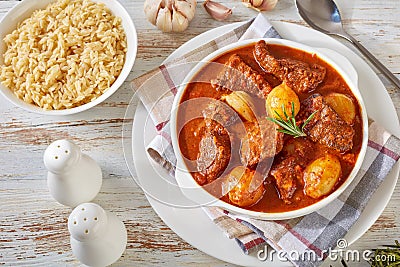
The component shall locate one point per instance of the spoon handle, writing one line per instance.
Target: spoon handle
(374, 60)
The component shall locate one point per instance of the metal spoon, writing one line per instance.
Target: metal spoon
(324, 16)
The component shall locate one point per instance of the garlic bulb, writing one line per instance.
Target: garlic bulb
(170, 15)
(260, 5)
(217, 10)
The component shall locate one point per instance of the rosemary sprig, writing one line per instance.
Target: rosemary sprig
(288, 124)
(389, 256)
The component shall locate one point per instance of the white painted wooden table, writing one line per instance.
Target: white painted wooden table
(33, 229)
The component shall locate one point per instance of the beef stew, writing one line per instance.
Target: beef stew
(259, 82)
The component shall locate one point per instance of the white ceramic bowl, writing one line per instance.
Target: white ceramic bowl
(25, 8)
(193, 191)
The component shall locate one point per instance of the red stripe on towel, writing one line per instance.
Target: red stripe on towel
(168, 79)
(161, 125)
(253, 243)
(166, 136)
(383, 150)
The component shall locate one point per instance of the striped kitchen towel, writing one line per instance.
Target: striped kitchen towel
(313, 234)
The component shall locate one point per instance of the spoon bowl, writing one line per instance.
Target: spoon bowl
(324, 16)
(321, 15)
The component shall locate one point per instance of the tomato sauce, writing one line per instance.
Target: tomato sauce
(190, 137)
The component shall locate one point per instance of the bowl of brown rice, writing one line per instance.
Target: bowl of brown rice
(59, 57)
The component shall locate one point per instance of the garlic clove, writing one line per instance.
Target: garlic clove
(256, 3)
(267, 5)
(260, 5)
(170, 15)
(186, 8)
(151, 8)
(193, 4)
(168, 3)
(217, 10)
(179, 21)
(164, 20)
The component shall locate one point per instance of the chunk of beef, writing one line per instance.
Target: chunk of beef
(301, 148)
(220, 112)
(262, 141)
(286, 174)
(238, 76)
(214, 153)
(298, 75)
(326, 127)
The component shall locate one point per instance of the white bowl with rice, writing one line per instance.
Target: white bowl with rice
(60, 57)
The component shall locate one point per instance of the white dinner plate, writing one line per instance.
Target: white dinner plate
(193, 225)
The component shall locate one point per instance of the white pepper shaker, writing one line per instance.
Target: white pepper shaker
(73, 177)
(98, 238)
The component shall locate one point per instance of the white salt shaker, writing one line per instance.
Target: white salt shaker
(73, 177)
(98, 238)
